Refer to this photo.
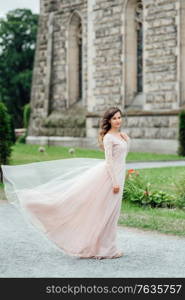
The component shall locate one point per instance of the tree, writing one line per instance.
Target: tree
(17, 47)
(5, 136)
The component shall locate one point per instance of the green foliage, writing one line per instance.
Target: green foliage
(17, 44)
(5, 135)
(22, 139)
(181, 149)
(139, 191)
(26, 115)
(26, 118)
(180, 190)
(13, 137)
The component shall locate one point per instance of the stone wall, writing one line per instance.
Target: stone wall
(108, 49)
(152, 125)
(161, 54)
(105, 68)
(49, 100)
(161, 82)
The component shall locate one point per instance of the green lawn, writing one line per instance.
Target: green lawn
(160, 219)
(163, 178)
(169, 221)
(29, 153)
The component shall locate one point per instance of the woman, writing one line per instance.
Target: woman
(75, 202)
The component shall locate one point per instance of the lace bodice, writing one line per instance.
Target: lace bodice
(116, 150)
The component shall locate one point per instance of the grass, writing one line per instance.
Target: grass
(160, 219)
(144, 156)
(163, 178)
(164, 220)
(169, 221)
(29, 153)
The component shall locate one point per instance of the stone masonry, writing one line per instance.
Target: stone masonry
(86, 60)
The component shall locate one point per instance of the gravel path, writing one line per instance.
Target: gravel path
(25, 253)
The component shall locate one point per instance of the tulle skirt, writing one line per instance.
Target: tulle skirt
(70, 201)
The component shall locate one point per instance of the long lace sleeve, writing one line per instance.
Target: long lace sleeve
(108, 145)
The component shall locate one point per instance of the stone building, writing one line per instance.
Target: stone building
(93, 54)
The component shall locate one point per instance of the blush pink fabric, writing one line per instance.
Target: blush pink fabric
(71, 201)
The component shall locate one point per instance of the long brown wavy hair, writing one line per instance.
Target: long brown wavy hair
(105, 125)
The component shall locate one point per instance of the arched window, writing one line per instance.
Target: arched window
(80, 59)
(74, 64)
(139, 28)
(133, 54)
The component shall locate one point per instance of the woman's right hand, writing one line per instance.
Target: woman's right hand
(116, 189)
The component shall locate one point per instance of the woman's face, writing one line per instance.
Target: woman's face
(116, 120)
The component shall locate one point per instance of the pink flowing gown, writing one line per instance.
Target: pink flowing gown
(71, 201)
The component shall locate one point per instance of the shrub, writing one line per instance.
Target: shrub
(5, 136)
(22, 139)
(180, 191)
(181, 138)
(137, 190)
(26, 115)
(13, 136)
(26, 118)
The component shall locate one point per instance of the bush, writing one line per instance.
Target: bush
(137, 190)
(13, 137)
(181, 149)
(26, 118)
(5, 136)
(26, 115)
(180, 191)
(22, 139)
